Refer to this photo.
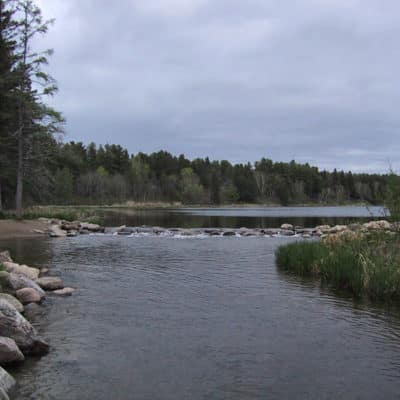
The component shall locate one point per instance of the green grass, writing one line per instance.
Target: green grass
(87, 214)
(366, 265)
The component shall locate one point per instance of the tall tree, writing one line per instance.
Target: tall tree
(33, 86)
(8, 29)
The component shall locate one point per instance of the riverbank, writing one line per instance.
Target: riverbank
(23, 289)
(11, 229)
(366, 263)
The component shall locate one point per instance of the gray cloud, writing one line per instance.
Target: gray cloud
(312, 79)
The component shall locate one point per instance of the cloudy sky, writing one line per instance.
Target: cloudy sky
(312, 80)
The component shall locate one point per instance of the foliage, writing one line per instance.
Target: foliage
(365, 264)
(392, 199)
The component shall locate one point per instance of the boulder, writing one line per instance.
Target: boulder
(288, 227)
(67, 291)
(13, 301)
(72, 233)
(50, 283)
(15, 326)
(56, 231)
(17, 282)
(5, 256)
(7, 383)
(9, 351)
(377, 225)
(28, 295)
(43, 271)
(229, 233)
(29, 272)
(323, 228)
(338, 228)
(91, 227)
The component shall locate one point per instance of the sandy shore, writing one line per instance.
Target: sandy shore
(20, 229)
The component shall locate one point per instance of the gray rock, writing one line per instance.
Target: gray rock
(17, 282)
(13, 301)
(229, 233)
(29, 272)
(15, 326)
(9, 351)
(55, 231)
(28, 295)
(50, 283)
(7, 383)
(288, 227)
(67, 291)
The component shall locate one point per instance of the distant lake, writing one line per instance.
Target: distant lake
(236, 217)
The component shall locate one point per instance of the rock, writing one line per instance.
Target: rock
(286, 232)
(28, 295)
(5, 256)
(7, 383)
(72, 233)
(288, 227)
(70, 226)
(29, 272)
(17, 282)
(9, 351)
(33, 310)
(229, 233)
(377, 225)
(13, 301)
(43, 271)
(91, 227)
(56, 231)
(338, 228)
(306, 236)
(15, 326)
(323, 228)
(50, 283)
(39, 231)
(67, 291)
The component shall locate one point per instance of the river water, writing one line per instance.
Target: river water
(200, 318)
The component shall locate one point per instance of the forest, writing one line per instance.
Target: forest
(72, 173)
(37, 167)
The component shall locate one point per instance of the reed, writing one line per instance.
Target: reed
(366, 265)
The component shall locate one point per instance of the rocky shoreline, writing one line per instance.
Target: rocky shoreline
(23, 290)
(60, 228)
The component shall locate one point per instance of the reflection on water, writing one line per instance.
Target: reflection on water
(164, 318)
(250, 217)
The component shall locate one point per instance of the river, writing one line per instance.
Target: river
(200, 318)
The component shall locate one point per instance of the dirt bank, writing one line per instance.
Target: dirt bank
(14, 229)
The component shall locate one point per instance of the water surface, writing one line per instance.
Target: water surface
(166, 318)
(236, 217)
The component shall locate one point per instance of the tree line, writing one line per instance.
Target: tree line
(79, 174)
(37, 168)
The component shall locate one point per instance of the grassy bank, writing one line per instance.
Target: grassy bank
(89, 214)
(366, 265)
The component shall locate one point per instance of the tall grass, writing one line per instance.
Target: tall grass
(365, 265)
(87, 214)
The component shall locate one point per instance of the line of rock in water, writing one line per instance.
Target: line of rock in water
(58, 228)
(23, 289)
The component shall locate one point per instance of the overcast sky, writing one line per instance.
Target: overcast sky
(312, 80)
